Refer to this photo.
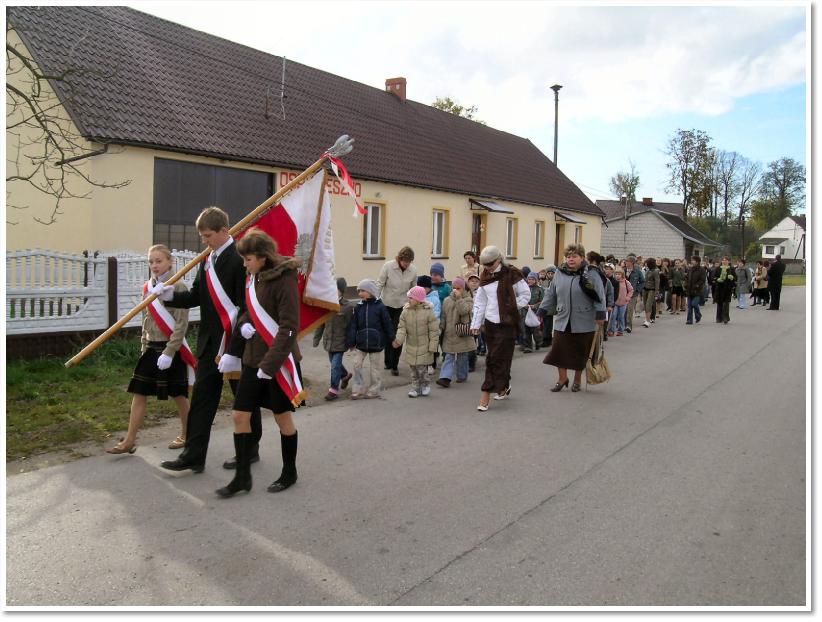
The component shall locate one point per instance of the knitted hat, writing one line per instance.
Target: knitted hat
(473, 276)
(437, 268)
(490, 254)
(458, 282)
(342, 285)
(424, 281)
(368, 285)
(533, 275)
(417, 293)
(525, 272)
(551, 269)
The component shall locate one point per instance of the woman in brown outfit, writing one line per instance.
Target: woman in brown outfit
(497, 301)
(273, 279)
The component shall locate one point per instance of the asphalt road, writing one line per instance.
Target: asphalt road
(681, 482)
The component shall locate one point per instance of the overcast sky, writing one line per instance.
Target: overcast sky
(630, 75)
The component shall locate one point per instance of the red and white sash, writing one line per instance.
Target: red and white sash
(287, 376)
(165, 321)
(226, 309)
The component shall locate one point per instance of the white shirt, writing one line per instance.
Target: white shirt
(486, 304)
(216, 254)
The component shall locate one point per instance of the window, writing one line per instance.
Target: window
(511, 238)
(372, 230)
(781, 250)
(183, 189)
(439, 244)
(578, 235)
(539, 239)
(769, 250)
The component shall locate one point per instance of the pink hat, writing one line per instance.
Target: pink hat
(459, 282)
(417, 293)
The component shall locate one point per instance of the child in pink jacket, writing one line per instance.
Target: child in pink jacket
(621, 298)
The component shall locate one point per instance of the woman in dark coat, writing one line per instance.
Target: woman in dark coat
(272, 282)
(576, 299)
(724, 279)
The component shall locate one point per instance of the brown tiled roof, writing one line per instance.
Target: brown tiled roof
(175, 88)
(615, 209)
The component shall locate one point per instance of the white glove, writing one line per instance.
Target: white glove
(229, 363)
(247, 330)
(162, 291)
(262, 375)
(164, 361)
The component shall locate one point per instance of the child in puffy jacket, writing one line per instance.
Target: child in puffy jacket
(333, 335)
(419, 332)
(369, 332)
(622, 296)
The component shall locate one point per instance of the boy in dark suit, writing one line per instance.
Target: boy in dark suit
(219, 291)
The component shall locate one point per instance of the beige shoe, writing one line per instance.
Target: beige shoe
(122, 448)
(177, 443)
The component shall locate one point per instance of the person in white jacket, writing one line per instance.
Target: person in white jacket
(501, 294)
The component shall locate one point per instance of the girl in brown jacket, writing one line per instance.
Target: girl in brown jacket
(271, 376)
(457, 347)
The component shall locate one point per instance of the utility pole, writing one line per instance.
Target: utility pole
(556, 89)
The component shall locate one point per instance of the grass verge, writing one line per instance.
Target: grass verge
(793, 279)
(49, 407)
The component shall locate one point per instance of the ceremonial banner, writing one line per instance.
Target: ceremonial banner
(301, 225)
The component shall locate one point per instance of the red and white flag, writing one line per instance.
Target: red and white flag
(301, 226)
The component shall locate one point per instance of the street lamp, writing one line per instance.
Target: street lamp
(556, 89)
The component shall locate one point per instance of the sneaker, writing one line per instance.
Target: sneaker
(462, 380)
(330, 396)
(426, 390)
(652, 321)
(628, 330)
(344, 380)
(619, 333)
(646, 324)
(413, 393)
(688, 323)
(444, 382)
(527, 350)
(611, 333)
(357, 396)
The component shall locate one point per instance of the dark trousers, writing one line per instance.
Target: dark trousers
(205, 400)
(723, 311)
(501, 341)
(547, 329)
(392, 354)
(775, 293)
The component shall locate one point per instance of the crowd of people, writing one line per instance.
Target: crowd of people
(249, 322)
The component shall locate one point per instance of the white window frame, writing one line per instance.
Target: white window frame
(578, 234)
(782, 250)
(539, 239)
(369, 222)
(769, 249)
(439, 233)
(511, 238)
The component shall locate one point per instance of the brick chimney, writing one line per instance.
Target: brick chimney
(397, 87)
(647, 201)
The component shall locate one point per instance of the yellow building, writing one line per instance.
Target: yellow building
(173, 120)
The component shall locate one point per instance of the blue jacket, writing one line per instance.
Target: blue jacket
(434, 298)
(370, 329)
(568, 303)
(637, 279)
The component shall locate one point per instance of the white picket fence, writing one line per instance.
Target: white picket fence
(51, 292)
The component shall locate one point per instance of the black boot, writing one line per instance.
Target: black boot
(255, 457)
(288, 445)
(242, 476)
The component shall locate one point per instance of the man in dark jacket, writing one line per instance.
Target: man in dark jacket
(775, 273)
(694, 289)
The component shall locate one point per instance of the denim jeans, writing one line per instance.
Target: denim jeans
(618, 319)
(337, 370)
(693, 309)
(447, 370)
(743, 301)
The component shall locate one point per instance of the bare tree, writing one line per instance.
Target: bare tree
(44, 149)
(727, 184)
(748, 182)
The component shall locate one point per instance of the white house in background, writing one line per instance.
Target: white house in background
(786, 239)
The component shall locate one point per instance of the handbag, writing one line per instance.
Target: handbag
(462, 329)
(597, 372)
(531, 319)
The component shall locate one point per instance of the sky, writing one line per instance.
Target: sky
(630, 75)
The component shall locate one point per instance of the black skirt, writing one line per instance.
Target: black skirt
(253, 392)
(148, 380)
(569, 350)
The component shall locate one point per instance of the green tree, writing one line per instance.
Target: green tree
(624, 184)
(449, 105)
(690, 167)
(784, 183)
(765, 213)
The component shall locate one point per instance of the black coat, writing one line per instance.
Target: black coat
(723, 292)
(370, 329)
(231, 272)
(775, 273)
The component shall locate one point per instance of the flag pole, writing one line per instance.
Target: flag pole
(342, 146)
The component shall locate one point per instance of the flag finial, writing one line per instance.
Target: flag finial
(343, 146)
